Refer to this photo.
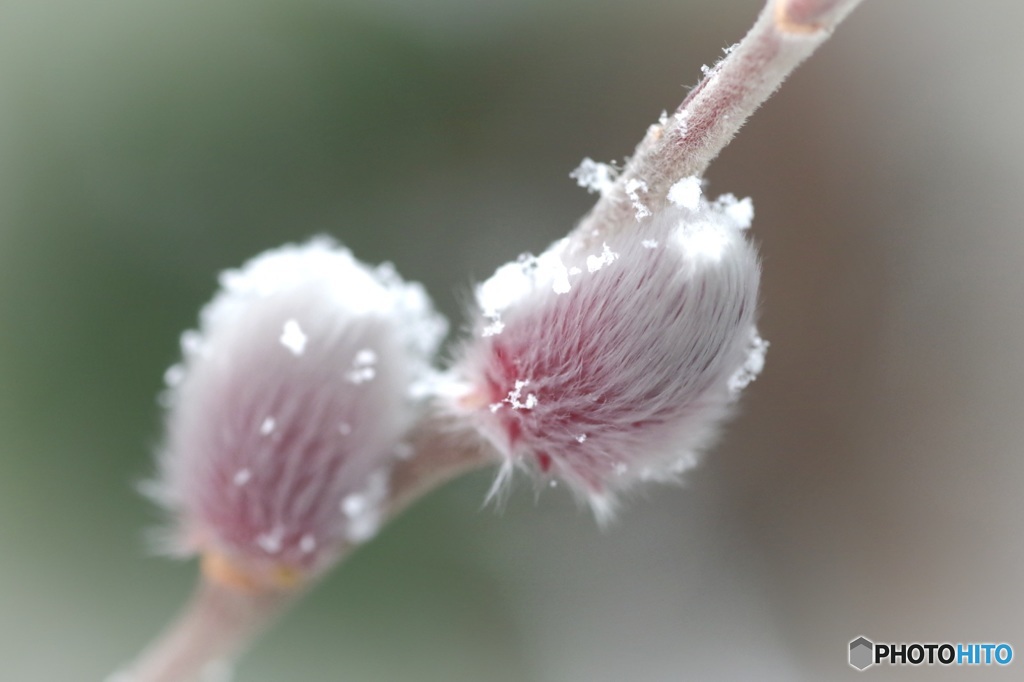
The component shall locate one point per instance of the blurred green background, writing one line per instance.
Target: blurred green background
(870, 487)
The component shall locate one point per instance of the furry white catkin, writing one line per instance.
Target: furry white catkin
(606, 365)
(284, 416)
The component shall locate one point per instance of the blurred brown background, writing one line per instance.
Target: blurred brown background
(872, 485)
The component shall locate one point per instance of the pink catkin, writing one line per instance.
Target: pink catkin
(606, 367)
(285, 414)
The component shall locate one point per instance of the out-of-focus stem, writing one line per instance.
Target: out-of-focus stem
(785, 34)
(443, 452)
(218, 622)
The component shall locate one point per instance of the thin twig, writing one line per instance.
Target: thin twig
(218, 622)
(443, 451)
(682, 145)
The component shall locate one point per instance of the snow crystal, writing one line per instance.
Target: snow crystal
(582, 438)
(740, 212)
(594, 176)
(686, 193)
(514, 396)
(704, 239)
(507, 285)
(363, 367)
(752, 366)
(560, 284)
(512, 281)
(494, 328)
(650, 243)
(365, 357)
(268, 426)
(607, 257)
(293, 338)
(633, 188)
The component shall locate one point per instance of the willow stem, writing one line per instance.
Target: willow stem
(785, 34)
(215, 626)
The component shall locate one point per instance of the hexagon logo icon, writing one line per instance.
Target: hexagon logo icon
(862, 652)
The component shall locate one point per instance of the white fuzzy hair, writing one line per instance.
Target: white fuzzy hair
(607, 361)
(285, 412)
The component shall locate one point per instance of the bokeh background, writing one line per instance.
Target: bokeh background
(871, 486)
